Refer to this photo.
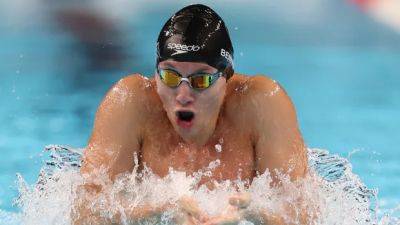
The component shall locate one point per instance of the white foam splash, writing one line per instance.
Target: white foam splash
(9, 218)
(331, 190)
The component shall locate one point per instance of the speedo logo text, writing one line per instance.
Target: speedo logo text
(186, 48)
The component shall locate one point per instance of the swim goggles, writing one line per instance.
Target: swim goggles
(198, 81)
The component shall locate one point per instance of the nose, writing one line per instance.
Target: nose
(184, 95)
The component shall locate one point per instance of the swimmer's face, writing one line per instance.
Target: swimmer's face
(193, 113)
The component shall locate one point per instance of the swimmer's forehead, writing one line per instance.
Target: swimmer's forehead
(197, 67)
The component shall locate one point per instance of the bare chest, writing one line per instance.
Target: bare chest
(228, 155)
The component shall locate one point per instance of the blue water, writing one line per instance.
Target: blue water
(340, 67)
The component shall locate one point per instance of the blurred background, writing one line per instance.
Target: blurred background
(338, 60)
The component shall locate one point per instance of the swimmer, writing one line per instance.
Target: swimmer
(193, 103)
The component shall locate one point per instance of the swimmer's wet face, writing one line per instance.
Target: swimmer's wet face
(194, 40)
(193, 113)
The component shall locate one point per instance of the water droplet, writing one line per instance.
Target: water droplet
(218, 148)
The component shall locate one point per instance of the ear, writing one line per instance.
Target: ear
(228, 72)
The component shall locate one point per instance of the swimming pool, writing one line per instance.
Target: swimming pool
(340, 67)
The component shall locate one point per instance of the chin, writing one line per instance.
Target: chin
(188, 135)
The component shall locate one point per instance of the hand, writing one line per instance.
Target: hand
(226, 218)
(240, 200)
(192, 214)
(233, 213)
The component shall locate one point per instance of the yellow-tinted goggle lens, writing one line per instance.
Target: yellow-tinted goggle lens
(201, 81)
(170, 78)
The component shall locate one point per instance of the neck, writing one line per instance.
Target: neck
(207, 133)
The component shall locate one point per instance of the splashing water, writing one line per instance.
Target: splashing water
(331, 191)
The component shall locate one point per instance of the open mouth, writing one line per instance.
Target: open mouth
(185, 118)
(185, 115)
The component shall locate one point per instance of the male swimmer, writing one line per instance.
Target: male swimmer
(175, 120)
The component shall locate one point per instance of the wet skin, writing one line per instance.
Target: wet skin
(247, 123)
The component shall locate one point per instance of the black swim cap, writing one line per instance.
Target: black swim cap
(196, 33)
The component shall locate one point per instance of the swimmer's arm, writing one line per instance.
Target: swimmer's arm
(115, 139)
(279, 145)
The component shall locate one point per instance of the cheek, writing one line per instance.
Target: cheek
(212, 99)
(166, 95)
(218, 92)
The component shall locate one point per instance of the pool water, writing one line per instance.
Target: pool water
(340, 67)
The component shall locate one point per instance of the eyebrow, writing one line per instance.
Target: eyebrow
(170, 66)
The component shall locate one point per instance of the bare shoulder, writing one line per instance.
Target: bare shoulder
(123, 109)
(263, 85)
(131, 86)
(129, 93)
(257, 93)
(250, 85)
(136, 81)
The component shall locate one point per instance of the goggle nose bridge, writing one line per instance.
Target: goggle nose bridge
(184, 79)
